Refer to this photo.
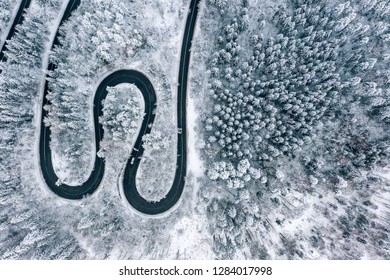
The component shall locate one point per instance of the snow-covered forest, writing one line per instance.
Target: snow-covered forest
(288, 118)
(296, 128)
(6, 10)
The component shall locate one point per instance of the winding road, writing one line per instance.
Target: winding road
(147, 90)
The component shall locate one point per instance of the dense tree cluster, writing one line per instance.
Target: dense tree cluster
(122, 111)
(6, 7)
(235, 177)
(232, 228)
(302, 97)
(122, 114)
(21, 72)
(219, 3)
(155, 140)
(52, 4)
(269, 105)
(273, 103)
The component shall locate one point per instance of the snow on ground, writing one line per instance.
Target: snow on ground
(194, 163)
(190, 240)
(384, 173)
(61, 168)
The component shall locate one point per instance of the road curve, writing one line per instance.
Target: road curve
(17, 20)
(174, 194)
(94, 180)
(147, 90)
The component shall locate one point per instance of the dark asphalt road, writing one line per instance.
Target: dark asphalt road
(18, 19)
(145, 86)
(174, 194)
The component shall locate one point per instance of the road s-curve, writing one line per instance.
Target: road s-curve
(96, 176)
(145, 86)
(174, 194)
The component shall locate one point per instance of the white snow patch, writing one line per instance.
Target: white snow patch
(195, 164)
(384, 173)
(189, 239)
